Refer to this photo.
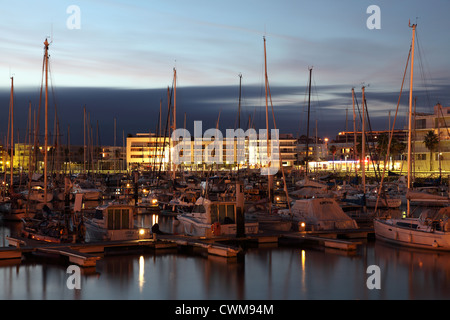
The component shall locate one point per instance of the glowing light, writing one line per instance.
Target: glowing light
(154, 219)
(141, 273)
(303, 260)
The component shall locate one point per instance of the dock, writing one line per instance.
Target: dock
(212, 246)
(81, 254)
(324, 241)
(87, 254)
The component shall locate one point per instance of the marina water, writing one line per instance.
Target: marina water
(263, 273)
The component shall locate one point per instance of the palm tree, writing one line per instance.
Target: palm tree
(396, 148)
(431, 141)
(333, 150)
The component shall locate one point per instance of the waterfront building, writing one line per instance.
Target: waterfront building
(438, 122)
(147, 151)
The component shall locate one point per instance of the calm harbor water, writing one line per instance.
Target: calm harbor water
(265, 273)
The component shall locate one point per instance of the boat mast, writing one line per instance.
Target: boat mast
(307, 125)
(410, 112)
(239, 114)
(269, 177)
(84, 139)
(354, 131)
(363, 144)
(46, 44)
(174, 113)
(12, 132)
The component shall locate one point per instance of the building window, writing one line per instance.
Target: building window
(421, 156)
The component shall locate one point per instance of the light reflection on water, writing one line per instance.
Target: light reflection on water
(265, 273)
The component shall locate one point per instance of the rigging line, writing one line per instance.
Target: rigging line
(8, 138)
(445, 122)
(422, 70)
(280, 159)
(373, 142)
(56, 129)
(36, 131)
(155, 153)
(303, 109)
(365, 136)
(391, 132)
(316, 94)
(169, 98)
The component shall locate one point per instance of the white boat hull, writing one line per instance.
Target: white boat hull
(195, 228)
(435, 240)
(95, 232)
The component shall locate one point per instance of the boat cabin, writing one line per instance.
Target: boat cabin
(114, 222)
(116, 217)
(222, 212)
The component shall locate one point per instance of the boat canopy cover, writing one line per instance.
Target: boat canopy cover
(310, 183)
(310, 192)
(324, 214)
(423, 195)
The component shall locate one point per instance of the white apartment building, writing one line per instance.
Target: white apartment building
(148, 151)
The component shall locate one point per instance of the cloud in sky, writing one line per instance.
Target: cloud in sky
(125, 52)
(136, 110)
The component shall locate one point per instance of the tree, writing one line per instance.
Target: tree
(382, 145)
(333, 150)
(396, 148)
(431, 141)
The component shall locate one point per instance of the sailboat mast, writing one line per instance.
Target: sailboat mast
(269, 177)
(410, 105)
(239, 108)
(46, 120)
(12, 131)
(174, 99)
(410, 113)
(84, 139)
(174, 112)
(307, 125)
(267, 103)
(239, 115)
(363, 143)
(354, 130)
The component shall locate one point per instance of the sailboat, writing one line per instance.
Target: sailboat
(11, 208)
(428, 231)
(211, 218)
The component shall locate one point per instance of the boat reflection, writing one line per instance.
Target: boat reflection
(426, 273)
(262, 273)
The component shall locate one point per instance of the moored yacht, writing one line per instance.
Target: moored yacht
(213, 218)
(319, 214)
(37, 193)
(112, 222)
(430, 231)
(88, 190)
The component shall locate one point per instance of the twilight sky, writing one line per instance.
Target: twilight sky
(118, 62)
